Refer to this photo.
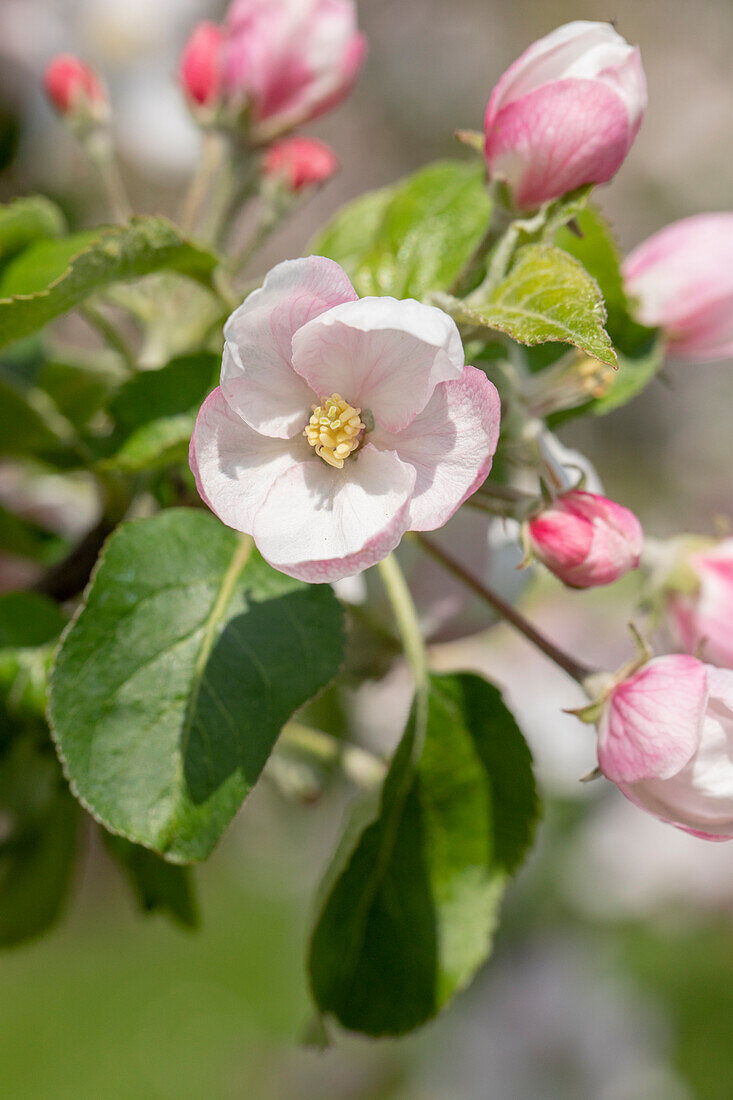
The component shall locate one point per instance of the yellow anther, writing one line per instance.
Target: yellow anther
(334, 430)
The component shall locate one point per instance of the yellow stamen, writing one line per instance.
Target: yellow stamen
(334, 430)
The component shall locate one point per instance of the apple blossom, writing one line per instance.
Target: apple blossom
(200, 67)
(586, 539)
(665, 738)
(683, 281)
(699, 601)
(340, 423)
(300, 162)
(74, 88)
(289, 61)
(565, 113)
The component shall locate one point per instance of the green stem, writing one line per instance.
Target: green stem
(99, 150)
(363, 767)
(212, 153)
(564, 661)
(408, 624)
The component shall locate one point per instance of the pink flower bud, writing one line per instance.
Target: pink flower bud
(682, 278)
(200, 68)
(565, 113)
(585, 539)
(74, 88)
(665, 738)
(701, 609)
(301, 162)
(287, 62)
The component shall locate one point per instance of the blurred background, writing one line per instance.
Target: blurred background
(612, 977)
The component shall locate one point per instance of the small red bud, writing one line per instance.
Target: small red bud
(200, 68)
(73, 87)
(301, 162)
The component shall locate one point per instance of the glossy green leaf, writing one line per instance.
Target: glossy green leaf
(159, 886)
(48, 280)
(409, 919)
(170, 688)
(547, 296)
(26, 220)
(38, 850)
(413, 238)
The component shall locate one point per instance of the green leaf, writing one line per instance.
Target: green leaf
(28, 619)
(159, 887)
(170, 688)
(547, 296)
(30, 423)
(24, 539)
(599, 254)
(153, 446)
(79, 389)
(410, 918)
(179, 387)
(38, 851)
(413, 238)
(352, 232)
(26, 220)
(115, 254)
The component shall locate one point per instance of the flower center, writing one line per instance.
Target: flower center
(334, 430)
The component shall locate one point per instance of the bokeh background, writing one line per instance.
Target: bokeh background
(612, 977)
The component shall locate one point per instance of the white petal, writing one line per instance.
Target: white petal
(380, 354)
(234, 466)
(257, 378)
(451, 445)
(321, 524)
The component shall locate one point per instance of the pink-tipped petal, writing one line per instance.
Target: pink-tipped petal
(257, 378)
(320, 524)
(652, 723)
(704, 618)
(380, 354)
(682, 280)
(451, 444)
(234, 466)
(558, 137)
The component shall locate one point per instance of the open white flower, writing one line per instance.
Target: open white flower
(340, 423)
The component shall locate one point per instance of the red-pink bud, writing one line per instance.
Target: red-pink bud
(200, 68)
(73, 87)
(301, 162)
(586, 540)
(682, 278)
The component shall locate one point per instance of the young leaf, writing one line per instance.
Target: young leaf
(54, 281)
(598, 252)
(415, 237)
(170, 688)
(26, 220)
(30, 422)
(152, 446)
(37, 854)
(547, 296)
(409, 920)
(158, 886)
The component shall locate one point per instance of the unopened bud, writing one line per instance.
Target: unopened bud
(300, 162)
(75, 90)
(201, 65)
